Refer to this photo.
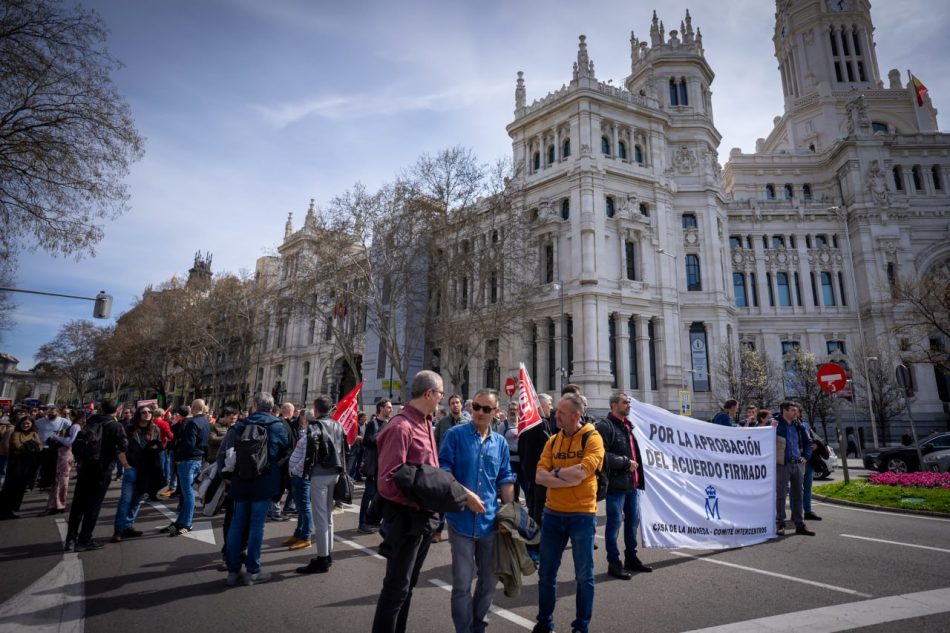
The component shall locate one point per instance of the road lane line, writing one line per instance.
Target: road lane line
(804, 581)
(200, 530)
(880, 540)
(845, 617)
(501, 613)
(889, 514)
(359, 547)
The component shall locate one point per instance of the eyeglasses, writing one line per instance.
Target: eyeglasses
(482, 407)
(441, 393)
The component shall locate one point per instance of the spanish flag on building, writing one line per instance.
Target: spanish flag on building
(919, 88)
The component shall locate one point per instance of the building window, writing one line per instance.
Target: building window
(917, 178)
(747, 345)
(689, 221)
(465, 289)
(550, 155)
(738, 287)
(798, 289)
(611, 209)
(770, 192)
(552, 357)
(789, 192)
(570, 345)
(768, 284)
(652, 335)
(566, 148)
(784, 292)
(835, 347)
(632, 352)
(735, 242)
(605, 146)
(844, 300)
(821, 240)
(644, 210)
(789, 347)
(674, 94)
(565, 209)
(328, 331)
(684, 95)
(877, 126)
(755, 290)
(791, 241)
(622, 150)
(493, 287)
(536, 161)
(638, 154)
(827, 289)
(935, 176)
(806, 192)
(381, 360)
(891, 274)
(778, 241)
(630, 257)
(693, 277)
(548, 263)
(612, 345)
(898, 179)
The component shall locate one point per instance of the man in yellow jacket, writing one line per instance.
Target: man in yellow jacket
(567, 468)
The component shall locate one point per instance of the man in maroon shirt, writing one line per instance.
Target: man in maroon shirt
(407, 439)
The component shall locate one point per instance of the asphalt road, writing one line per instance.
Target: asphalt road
(864, 571)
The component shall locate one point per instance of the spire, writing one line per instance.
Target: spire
(519, 92)
(634, 51)
(583, 61)
(310, 222)
(655, 38)
(688, 33)
(289, 227)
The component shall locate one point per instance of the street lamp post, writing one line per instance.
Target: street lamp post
(842, 215)
(563, 369)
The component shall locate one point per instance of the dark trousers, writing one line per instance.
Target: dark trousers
(410, 542)
(47, 467)
(21, 470)
(92, 482)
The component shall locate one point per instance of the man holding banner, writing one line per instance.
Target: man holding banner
(625, 475)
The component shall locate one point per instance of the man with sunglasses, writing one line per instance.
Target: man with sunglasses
(479, 459)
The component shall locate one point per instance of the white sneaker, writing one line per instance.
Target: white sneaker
(258, 578)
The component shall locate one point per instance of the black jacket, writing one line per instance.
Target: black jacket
(617, 455)
(531, 445)
(193, 443)
(370, 448)
(430, 487)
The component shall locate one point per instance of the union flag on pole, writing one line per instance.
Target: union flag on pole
(347, 414)
(529, 407)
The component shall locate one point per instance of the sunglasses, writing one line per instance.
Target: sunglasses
(485, 408)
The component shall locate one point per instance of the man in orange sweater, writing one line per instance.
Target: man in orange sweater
(568, 468)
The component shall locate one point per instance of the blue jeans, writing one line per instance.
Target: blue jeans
(300, 489)
(471, 555)
(187, 473)
(252, 514)
(171, 475)
(556, 529)
(622, 508)
(806, 487)
(129, 502)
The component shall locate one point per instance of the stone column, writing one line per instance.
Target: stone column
(622, 350)
(643, 352)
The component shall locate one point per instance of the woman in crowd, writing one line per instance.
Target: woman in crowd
(23, 459)
(144, 475)
(64, 465)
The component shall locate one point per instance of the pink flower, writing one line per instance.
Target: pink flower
(914, 480)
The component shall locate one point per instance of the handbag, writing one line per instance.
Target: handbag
(343, 490)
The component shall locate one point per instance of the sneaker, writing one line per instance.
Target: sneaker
(280, 518)
(233, 579)
(367, 529)
(804, 531)
(69, 545)
(165, 494)
(131, 533)
(91, 545)
(258, 578)
(116, 537)
(438, 537)
(290, 540)
(179, 530)
(169, 528)
(300, 545)
(338, 510)
(811, 516)
(616, 569)
(780, 530)
(542, 628)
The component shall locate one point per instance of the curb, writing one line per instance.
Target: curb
(868, 506)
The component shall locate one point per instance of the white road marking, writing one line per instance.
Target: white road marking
(845, 617)
(880, 540)
(502, 613)
(775, 575)
(200, 530)
(359, 547)
(52, 604)
(882, 512)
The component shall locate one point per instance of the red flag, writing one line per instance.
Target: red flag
(347, 414)
(529, 407)
(919, 88)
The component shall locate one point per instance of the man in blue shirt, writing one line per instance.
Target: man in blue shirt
(479, 460)
(727, 417)
(789, 477)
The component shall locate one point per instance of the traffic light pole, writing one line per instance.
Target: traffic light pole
(101, 310)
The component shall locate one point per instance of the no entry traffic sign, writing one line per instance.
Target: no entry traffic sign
(832, 377)
(510, 386)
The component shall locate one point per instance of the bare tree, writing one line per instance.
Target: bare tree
(924, 320)
(749, 376)
(887, 398)
(801, 385)
(71, 354)
(67, 137)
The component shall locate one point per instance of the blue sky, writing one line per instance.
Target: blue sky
(251, 108)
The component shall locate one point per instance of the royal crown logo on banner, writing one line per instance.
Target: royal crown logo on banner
(529, 407)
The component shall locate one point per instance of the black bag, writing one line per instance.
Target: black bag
(602, 480)
(251, 452)
(343, 490)
(87, 447)
(320, 449)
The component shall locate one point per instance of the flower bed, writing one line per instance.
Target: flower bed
(912, 480)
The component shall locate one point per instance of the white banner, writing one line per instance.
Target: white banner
(707, 486)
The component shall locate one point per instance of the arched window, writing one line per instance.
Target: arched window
(638, 154)
(789, 192)
(916, 176)
(674, 96)
(935, 176)
(550, 155)
(622, 150)
(684, 98)
(566, 209)
(644, 209)
(536, 161)
(694, 279)
(611, 209)
(605, 146)
(806, 192)
(898, 179)
(689, 221)
(877, 126)
(770, 192)
(566, 148)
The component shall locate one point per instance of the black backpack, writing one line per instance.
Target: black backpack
(602, 479)
(87, 447)
(320, 450)
(250, 450)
